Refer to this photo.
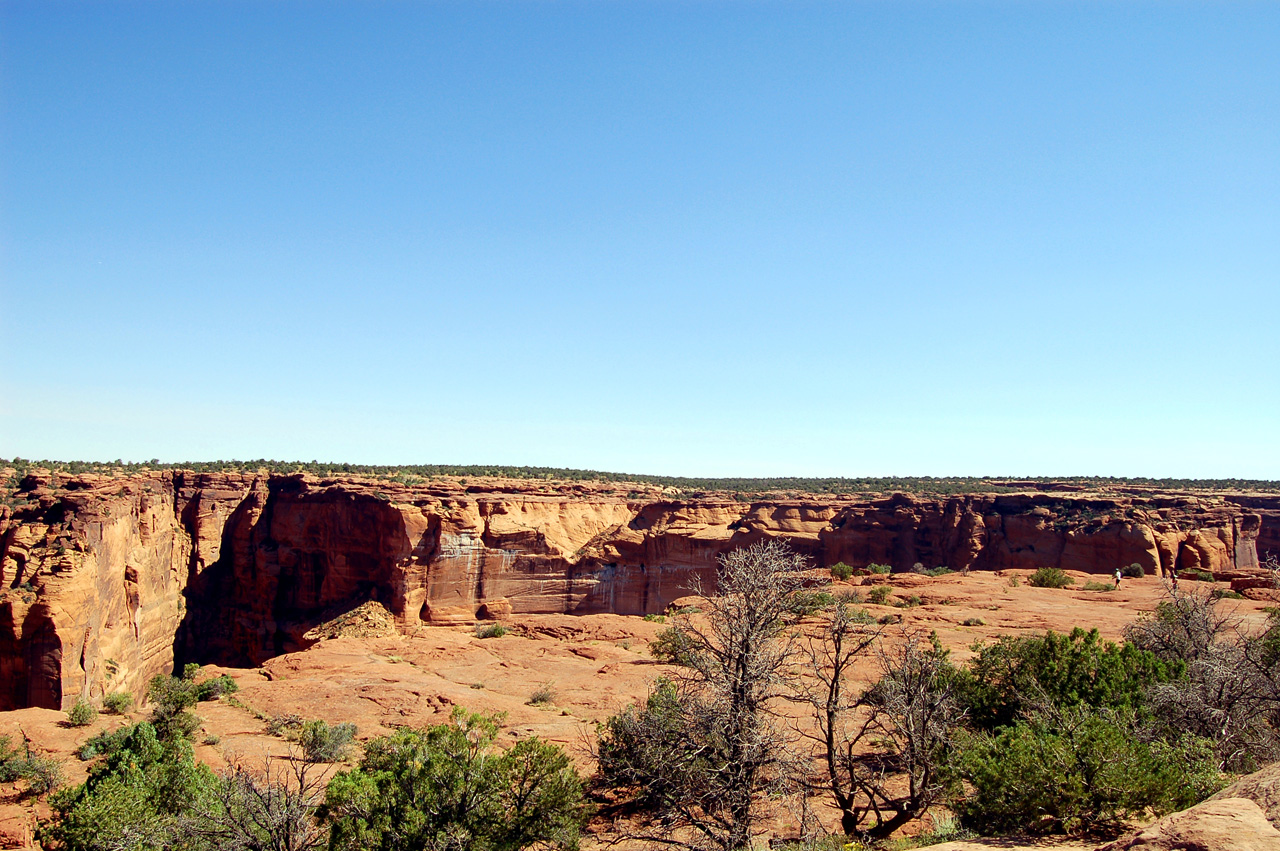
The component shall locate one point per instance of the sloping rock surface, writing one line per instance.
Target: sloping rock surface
(1223, 824)
(1261, 787)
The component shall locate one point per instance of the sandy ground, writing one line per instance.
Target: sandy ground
(595, 665)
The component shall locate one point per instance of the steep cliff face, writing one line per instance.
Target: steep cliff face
(112, 580)
(94, 574)
(1266, 508)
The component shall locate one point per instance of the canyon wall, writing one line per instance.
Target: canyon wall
(109, 581)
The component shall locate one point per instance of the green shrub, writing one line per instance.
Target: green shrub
(1050, 577)
(543, 695)
(82, 714)
(840, 570)
(449, 786)
(43, 774)
(673, 647)
(216, 687)
(190, 671)
(1098, 586)
(1133, 571)
(940, 570)
(171, 697)
(661, 748)
(1227, 594)
(861, 616)
(118, 702)
(171, 694)
(1081, 770)
(879, 595)
(1007, 678)
(973, 622)
(134, 796)
(9, 759)
(881, 569)
(805, 603)
(1196, 575)
(323, 743)
(909, 602)
(490, 630)
(651, 618)
(105, 743)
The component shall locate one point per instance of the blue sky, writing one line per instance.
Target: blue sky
(686, 238)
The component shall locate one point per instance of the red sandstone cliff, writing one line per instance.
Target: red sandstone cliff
(111, 580)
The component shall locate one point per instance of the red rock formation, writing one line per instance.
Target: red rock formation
(95, 570)
(112, 580)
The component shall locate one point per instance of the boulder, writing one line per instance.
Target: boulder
(1261, 787)
(1223, 824)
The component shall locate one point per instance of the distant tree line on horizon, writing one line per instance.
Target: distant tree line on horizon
(416, 473)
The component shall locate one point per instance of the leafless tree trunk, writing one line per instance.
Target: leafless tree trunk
(881, 747)
(1231, 693)
(273, 809)
(708, 743)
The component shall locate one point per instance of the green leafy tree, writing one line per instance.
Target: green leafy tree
(446, 787)
(133, 798)
(1071, 771)
(1010, 677)
(171, 699)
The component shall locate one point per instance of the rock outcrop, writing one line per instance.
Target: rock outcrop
(109, 581)
(1225, 824)
(1261, 787)
(1243, 817)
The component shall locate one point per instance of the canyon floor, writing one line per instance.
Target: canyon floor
(594, 664)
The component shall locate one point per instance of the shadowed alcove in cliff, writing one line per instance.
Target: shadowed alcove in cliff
(289, 560)
(30, 671)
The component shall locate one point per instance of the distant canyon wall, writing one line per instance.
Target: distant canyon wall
(109, 581)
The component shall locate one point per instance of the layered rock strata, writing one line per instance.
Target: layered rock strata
(112, 580)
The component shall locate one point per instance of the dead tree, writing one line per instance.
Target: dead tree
(881, 747)
(706, 743)
(272, 809)
(1231, 691)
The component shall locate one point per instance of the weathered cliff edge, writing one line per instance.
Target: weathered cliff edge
(108, 581)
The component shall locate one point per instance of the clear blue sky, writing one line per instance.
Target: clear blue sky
(685, 238)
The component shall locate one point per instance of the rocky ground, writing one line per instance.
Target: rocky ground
(362, 670)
